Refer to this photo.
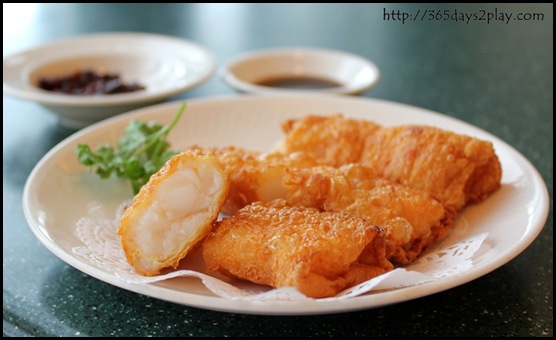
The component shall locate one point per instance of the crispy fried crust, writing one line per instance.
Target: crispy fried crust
(256, 176)
(173, 212)
(334, 139)
(411, 218)
(456, 169)
(274, 244)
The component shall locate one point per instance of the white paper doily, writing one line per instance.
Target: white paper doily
(102, 247)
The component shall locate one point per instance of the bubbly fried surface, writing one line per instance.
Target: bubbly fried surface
(173, 212)
(275, 244)
(256, 176)
(456, 169)
(412, 219)
(334, 139)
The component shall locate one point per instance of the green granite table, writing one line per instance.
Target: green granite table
(494, 74)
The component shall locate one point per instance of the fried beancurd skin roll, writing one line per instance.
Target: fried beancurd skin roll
(256, 176)
(173, 212)
(334, 139)
(455, 169)
(279, 245)
(412, 219)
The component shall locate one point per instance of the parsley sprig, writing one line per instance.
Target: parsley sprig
(141, 152)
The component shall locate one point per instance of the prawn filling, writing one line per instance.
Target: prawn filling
(173, 212)
(275, 244)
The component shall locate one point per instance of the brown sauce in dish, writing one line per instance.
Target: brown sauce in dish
(301, 83)
(88, 82)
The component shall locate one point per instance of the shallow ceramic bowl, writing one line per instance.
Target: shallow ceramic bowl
(300, 69)
(164, 65)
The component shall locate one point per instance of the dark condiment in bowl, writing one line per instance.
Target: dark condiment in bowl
(306, 83)
(88, 82)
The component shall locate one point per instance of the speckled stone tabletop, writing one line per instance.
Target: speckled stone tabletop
(495, 74)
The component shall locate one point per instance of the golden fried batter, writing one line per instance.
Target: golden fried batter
(334, 139)
(256, 176)
(173, 212)
(456, 169)
(412, 219)
(274, 244)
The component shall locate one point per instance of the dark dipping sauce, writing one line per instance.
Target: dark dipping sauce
(300, 83)
(88, 82)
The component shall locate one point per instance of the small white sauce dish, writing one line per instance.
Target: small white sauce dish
(164, 65)
(300, 70)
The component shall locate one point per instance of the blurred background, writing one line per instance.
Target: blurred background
(439, 59)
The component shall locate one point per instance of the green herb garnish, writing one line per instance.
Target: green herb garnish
(141, 152)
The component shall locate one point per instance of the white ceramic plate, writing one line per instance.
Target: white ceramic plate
(60, 191)
(165, 65)
(302, 70)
